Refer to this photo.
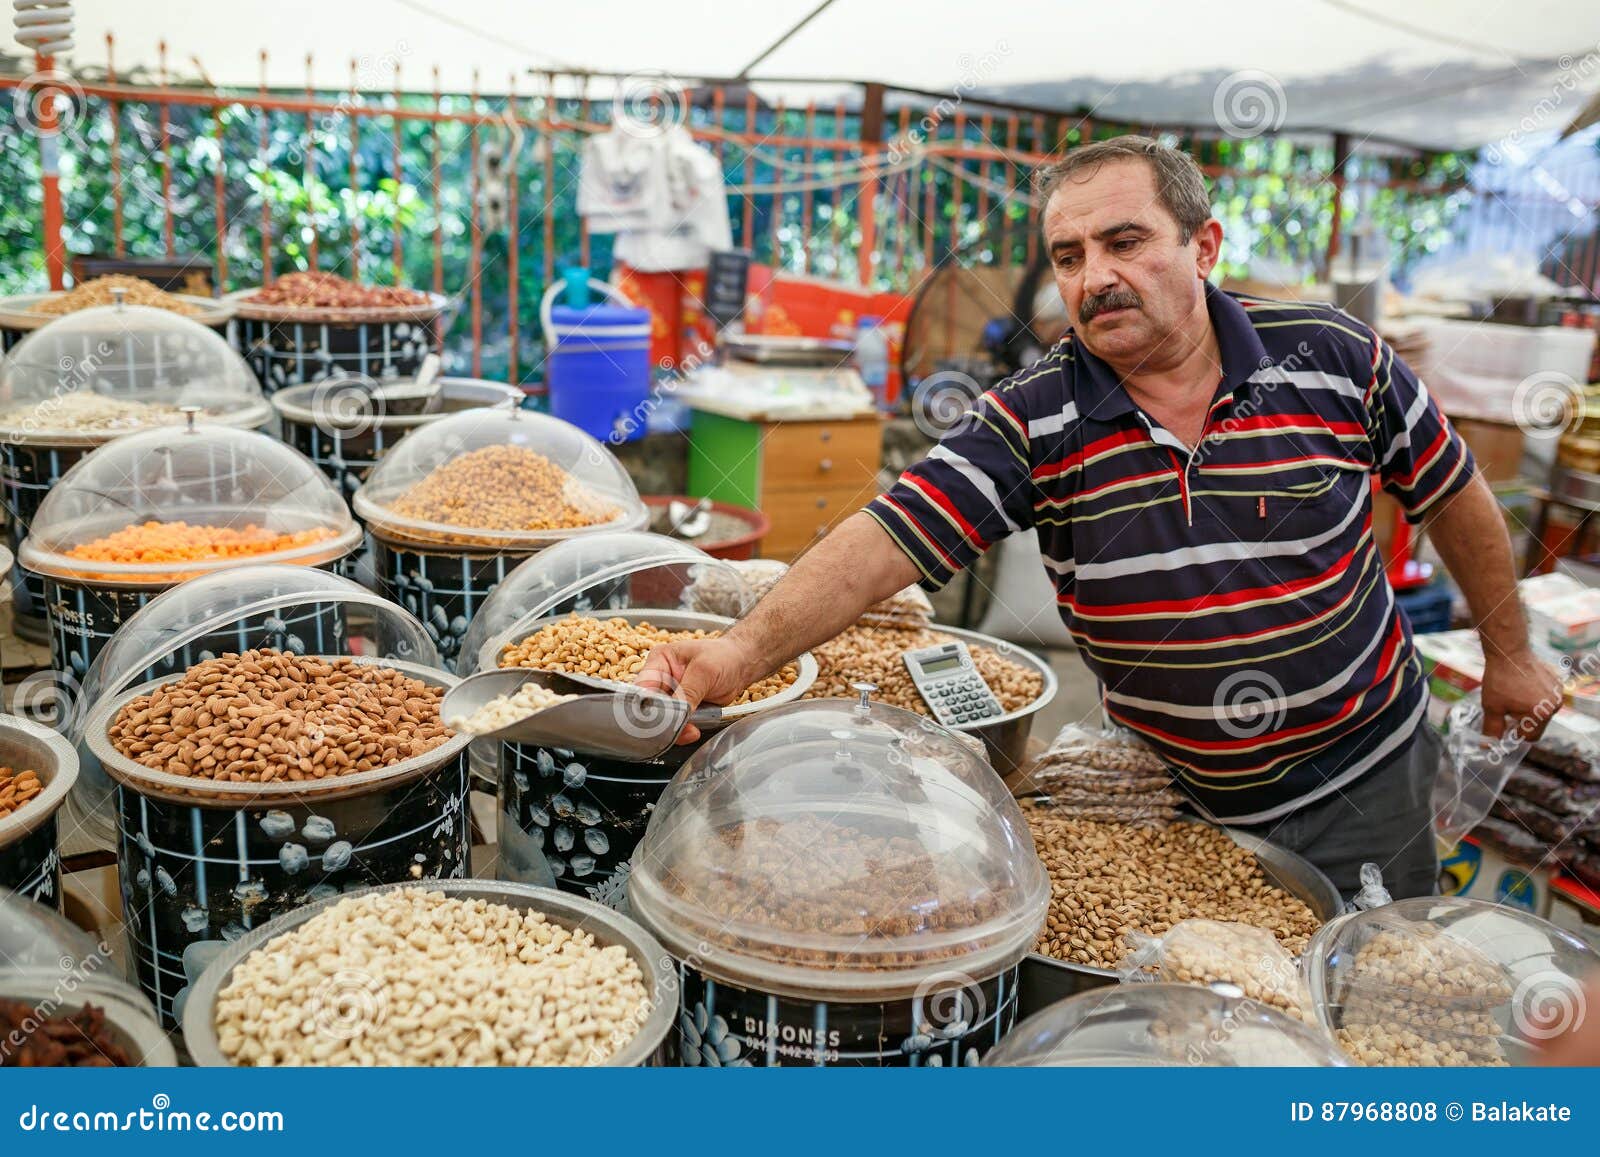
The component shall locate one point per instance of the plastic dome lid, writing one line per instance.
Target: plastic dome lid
(91, 375)
(193, 621)
(36, 937)
(1479, 983)
(247, 600)
(839, 849)
(1160, 1025)
(241, 496)
(597, 573)
(500, 479)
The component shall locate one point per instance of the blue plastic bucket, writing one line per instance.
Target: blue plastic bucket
(598, 368)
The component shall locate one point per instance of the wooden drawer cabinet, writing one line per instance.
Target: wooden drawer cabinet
(806, 476)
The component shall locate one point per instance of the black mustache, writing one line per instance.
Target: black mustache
(1096, 304)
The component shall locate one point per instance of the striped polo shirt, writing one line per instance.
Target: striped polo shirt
(1229, 597)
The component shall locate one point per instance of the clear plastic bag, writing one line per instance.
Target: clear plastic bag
(1102, 750)
(1472, 774)
(908, 609)
(1578, 801)
(1106, 776)
(1212, 952)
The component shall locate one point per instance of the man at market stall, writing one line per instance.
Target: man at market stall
(1198, 467)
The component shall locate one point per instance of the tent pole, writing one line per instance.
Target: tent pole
(1341, 158)
(867, 202)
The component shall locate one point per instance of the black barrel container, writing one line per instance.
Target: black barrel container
(89, 377)
(205, 476)
(30, 864)
(421, 501)
(202, 867)
(840, 884)
(347, 425)
(285, 346)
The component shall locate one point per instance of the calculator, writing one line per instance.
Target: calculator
(951, 685)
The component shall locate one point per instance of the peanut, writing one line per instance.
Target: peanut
(615, 649)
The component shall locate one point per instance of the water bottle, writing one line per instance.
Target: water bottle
(872, 357)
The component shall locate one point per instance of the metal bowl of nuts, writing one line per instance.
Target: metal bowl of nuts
(120, 743)
(79, 1019)
(363, 995)
(37, 770)
(580, 644)
(1160, 875)
(1007, 737)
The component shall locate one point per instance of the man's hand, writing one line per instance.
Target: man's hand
(1520, 689)
(698, 671)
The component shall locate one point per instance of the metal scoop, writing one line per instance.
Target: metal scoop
(617, 720)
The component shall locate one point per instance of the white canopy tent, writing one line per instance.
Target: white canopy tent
(1437, 73)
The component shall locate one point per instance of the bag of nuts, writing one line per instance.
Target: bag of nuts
(1208, 952)
(1105, 776)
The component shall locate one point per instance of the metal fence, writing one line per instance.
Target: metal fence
(474, 194)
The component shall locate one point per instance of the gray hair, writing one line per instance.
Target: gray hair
(1179, 184)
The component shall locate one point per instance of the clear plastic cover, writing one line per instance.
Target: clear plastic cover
(35, 936)
(1160, 1025)
(288, 608)
(616, 571)
(500, 479)
(1446, 981)
(1211, 952)
(164, 505)
(101, 372)
(834, 847)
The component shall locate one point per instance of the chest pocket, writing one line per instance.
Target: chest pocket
(1280, 508)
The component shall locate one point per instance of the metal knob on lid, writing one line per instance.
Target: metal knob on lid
(864, 690)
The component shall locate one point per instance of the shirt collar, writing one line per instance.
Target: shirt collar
(1099, 391)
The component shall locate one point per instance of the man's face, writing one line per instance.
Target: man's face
(1128, 278)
